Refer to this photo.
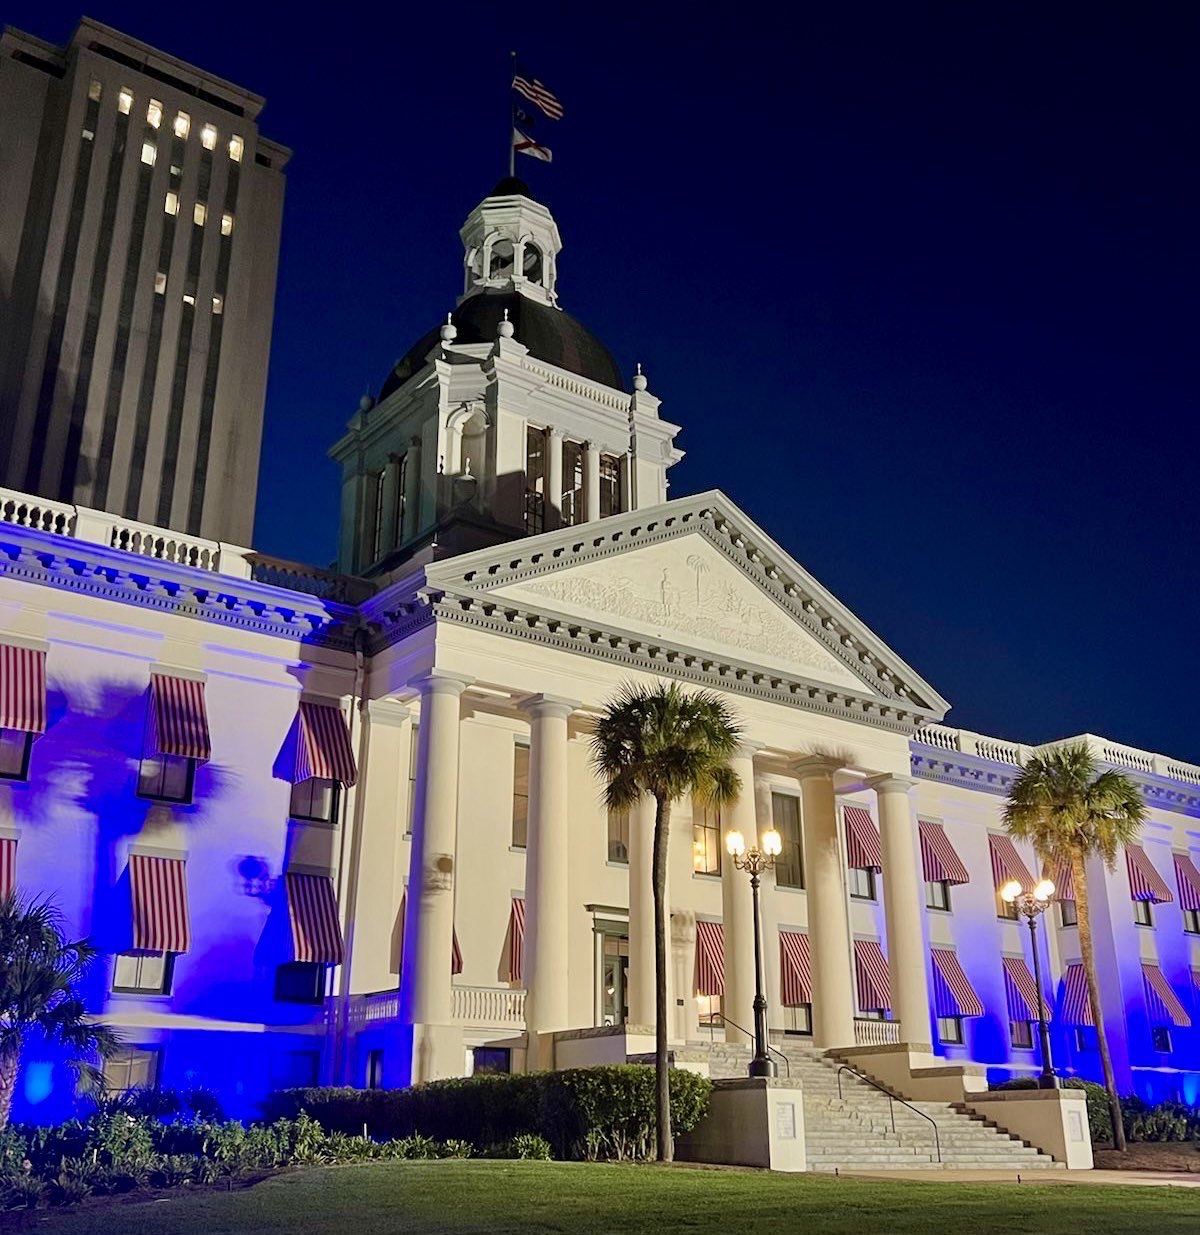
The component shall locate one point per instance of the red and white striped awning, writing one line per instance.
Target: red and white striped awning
(1007, 863)
(939, 861)
(1060, 874)
(8, 865)
(323, 745)
(161, 922)
(874, 983)
(1145, 883)
(1021, 990)
(456, 958)
(1187, 877)
(178, 718)
(516, 940)
(795, 969)
(313, 912)
(22, 688)
(1162, 1004)
(862, 839)
(953, 994)
(710, 958)
(1076, 1008)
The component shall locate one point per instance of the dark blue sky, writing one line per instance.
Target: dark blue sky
(919, 281)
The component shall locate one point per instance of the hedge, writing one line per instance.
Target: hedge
(592, 1113)
(1099, 1118)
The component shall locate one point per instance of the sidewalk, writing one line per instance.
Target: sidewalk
(1136, 1179)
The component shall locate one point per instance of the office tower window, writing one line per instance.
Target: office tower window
(236, 147)
(208, 137)
(171, 205)
(124, 101)
(94, 90)
(218, 304)
(183, 124)
(199, 214)
(160, 282)
(149, 153)
(154, 113)
(227, 225)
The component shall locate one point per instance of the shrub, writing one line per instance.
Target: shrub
(528, 1145)
(22, 1191)
(455, 1149)
(1099, 1120)
(1168, 1121)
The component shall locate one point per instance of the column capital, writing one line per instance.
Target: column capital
(549, 705)
(815, 765)
(891, 782)
(442, 682)
(388, 711)
(555, 431)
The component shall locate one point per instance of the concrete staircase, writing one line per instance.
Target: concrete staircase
(854, 1132)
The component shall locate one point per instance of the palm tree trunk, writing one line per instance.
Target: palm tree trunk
(1088, 955)
(662, 1078)
(10, 1059)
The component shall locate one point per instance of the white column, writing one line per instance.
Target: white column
(554, 478)
(737, 903)
(903, 899)
(546, 876)
(412, 491)
(425, 996)
(641, 912)
(825, 884)
(591, 480)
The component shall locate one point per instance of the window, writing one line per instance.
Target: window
(147, 973)
(300, 982)
(1160, 1036)
(375, 1069)
(610, 486)
(1004, 909)
(218, 305)
(1191, 921)
(149, 153)
(377, 491)
(618, 835)
(154, 113)
(1085, 1038)
(520, 795)
(401, 467)
(1067, 916)
(160, 282)
(789, 866)
(710, 1009)
(950, 1030)
(937, 894)
(532, 263)
(227, 225)
(706, 839)
(862, 883)
(188, 298)
(491, 1059)
(1143, 915)
(797, 1021)
(94, 90)
(167, 778)
(132, 1067)
(199, 214)
(535, 481)
(15, 746)
(171, 205)
(236, 147)
(124, 101)
(315, 799)
(502, 260)
(412, 780)
(208, 137)
(1020, 1034)
(183, 124)
(573, 511)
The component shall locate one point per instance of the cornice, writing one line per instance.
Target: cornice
(84, 567)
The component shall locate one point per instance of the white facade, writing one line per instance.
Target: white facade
(467, 684)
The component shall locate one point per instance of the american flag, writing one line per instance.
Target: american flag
(537, 94)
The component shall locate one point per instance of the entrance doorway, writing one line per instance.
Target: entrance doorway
(612, 972)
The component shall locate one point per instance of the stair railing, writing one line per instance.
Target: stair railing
(892, 1100)
(787, 1067)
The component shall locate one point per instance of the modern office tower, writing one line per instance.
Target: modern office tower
(139, 239)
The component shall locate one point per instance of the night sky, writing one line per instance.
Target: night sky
(919, 282)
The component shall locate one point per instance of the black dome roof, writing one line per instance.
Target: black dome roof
(550, 334)
(512, 186)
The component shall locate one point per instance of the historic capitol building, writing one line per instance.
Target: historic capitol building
(341, 825)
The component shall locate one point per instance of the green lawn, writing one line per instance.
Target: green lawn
(447, 1198)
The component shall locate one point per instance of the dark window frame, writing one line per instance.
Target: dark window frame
(867, 874)
(957, 1035)
(291, 972)
(167, 985)
(168, 761)
(1160, 1039)
(335, 798)
(1020, 1035)
(10, 770)
(942, 892)
(1143, 914)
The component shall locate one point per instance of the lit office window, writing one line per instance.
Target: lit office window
(149, 153)
(227, 225)
(160, 282)
(199, 214)
(183, 124)
(236, 146)
(125, 101)
(208, 137)
(94, 90)
(171, 206)
(154, 113)
(218, 304)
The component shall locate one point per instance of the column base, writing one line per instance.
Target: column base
(437, 1053)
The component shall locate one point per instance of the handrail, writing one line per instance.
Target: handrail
(741, 1029)
(892, 1100)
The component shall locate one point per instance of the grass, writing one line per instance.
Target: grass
(535, 1198)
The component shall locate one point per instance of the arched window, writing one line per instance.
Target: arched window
(532, 263)
(502, 260)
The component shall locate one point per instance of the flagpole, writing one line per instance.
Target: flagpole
(512, 146)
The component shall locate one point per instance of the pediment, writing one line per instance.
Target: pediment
(694, 584)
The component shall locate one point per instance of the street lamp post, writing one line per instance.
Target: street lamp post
(1031, 906)
(755, 861)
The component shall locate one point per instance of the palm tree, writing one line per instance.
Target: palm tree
(666, 742)
(1071, 812)
(41, 974)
